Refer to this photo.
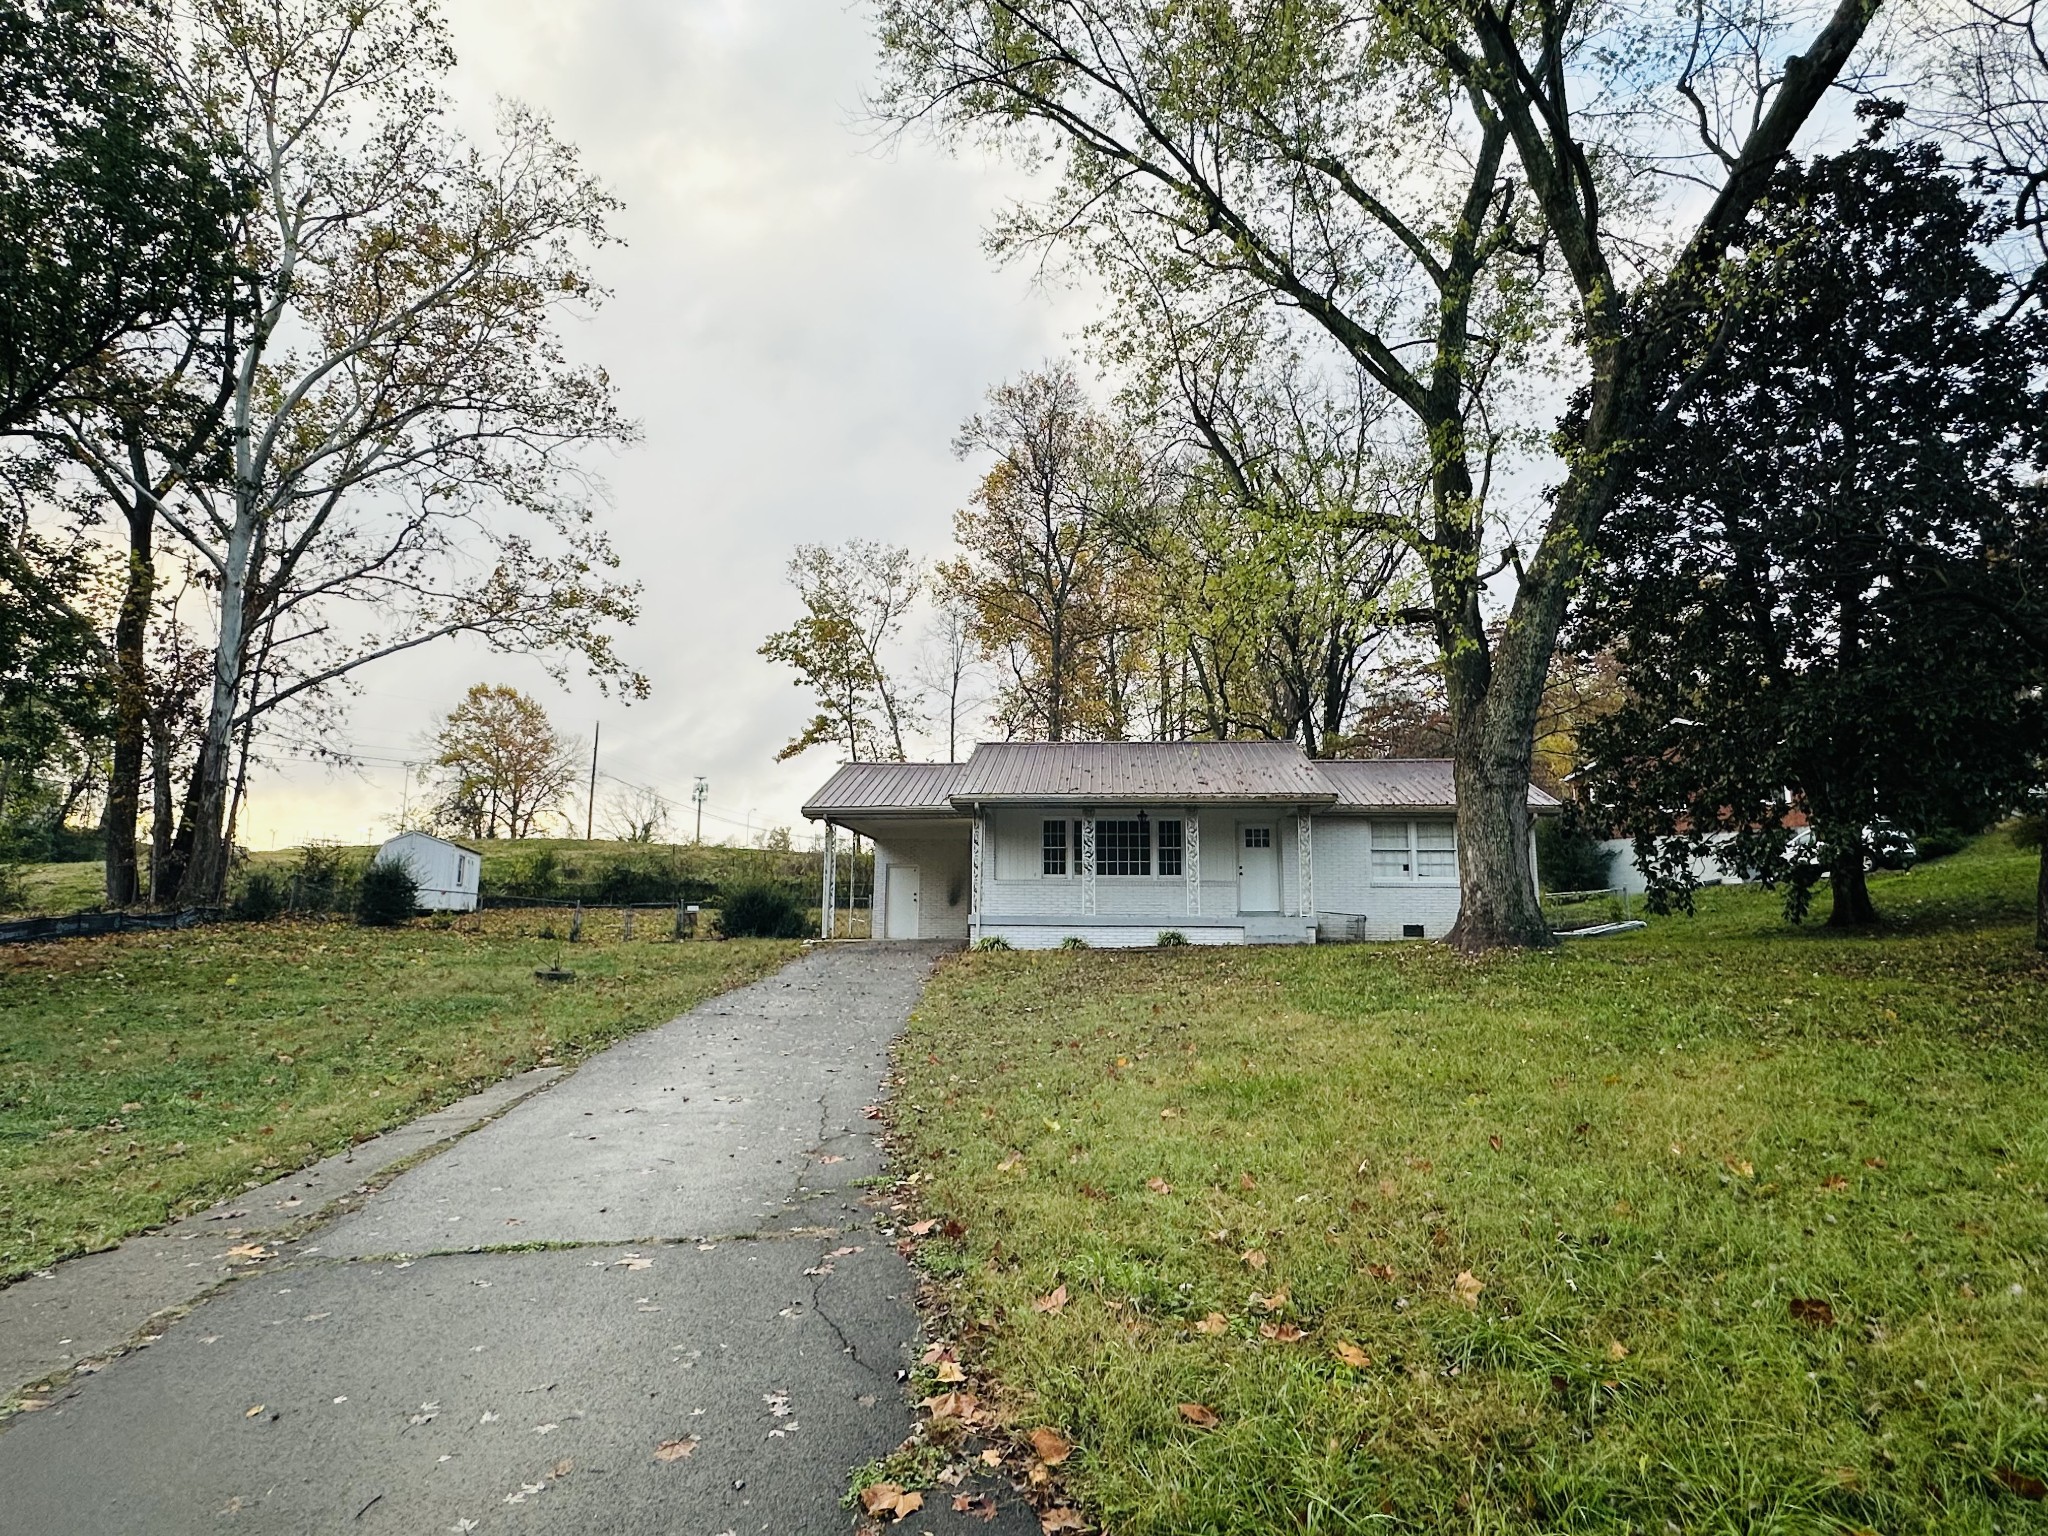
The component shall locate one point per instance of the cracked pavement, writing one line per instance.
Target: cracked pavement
(664, 1252)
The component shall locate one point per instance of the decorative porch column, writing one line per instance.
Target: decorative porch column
(828, 896)
(1305, 863)
(1191, 858)
(1088, 864)
(976, 842)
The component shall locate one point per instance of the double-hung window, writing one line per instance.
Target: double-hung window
(1054, 859)
(1171, 844)
(1414, 851)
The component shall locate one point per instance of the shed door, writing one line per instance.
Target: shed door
(900, 914)
(1258, 867)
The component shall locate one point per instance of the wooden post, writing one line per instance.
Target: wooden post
(679, 918)
(576, 922)
(627, 935)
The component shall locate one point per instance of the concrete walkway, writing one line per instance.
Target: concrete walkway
(649, 1297)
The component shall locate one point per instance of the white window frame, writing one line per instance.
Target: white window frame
(1152, 824)
(1411, 855)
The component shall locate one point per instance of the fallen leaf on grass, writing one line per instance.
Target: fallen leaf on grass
(1383, 1272)
(1616, 1350)
(992, 1457)
(1199, 1416)
(1741, 1167)
(1274, 1302)
(934, 1353)
(1014, 1160)
(1353, 1356)
(1468, 1288)
(949, 1371)
(923, 1228)
(1064, 1518)
(1874, 1162)
(1493, 1142)
(1833, 1183)
(953, 1405)
(1049, 1445)
(1159, 1186)
(2026, 1486)
(676, 1450)
(1255, 1257)
(1246, 1181)
(1169, 1114)
(891, 1499)
(1282, 1333)
(1811, 1311)
(1053, 1303)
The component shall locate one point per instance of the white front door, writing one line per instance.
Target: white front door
(1258, 867)
(901, 912)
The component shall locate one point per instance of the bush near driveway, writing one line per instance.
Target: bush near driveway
(146, 1075)
(1722, 1227)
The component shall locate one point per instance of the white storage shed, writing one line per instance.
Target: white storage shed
(448, 873)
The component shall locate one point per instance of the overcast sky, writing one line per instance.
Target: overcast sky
(800, 321)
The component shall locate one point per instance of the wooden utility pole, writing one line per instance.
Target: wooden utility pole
(590, 806)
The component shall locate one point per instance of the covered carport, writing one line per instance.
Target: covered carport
(922, 847)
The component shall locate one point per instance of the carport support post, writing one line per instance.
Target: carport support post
(1191, 856)
(828, 895)
(1305, 863)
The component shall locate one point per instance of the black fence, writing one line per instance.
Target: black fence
(86, 925)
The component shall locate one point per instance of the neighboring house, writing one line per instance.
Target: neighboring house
(1117, 842)
(448, 873)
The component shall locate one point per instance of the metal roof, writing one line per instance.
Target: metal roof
(886, 789)
(1115, 771)
(1130, 772)
(1402, 783)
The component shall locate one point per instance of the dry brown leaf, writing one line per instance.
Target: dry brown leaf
(249, 1251)
(992, 1457)
(891, 1499)
(562, 1469)
(934, 1353)
(1383, 1271)
(2022, 1484)
(1616, 1350)
(1493, 1142)
(974, 1504)
(1282, 1333)
(676, 1450)
(923, 1228)
(1215, 1322)
(1053, 1303)
(1065, 1518)
(1274, 1302)
(1834, 1183)
(1741, 1167)
(1246, 1181)
(1873, 1162)
(1159, 1186)
(1199, 1416)
(953, 1405)
(1353, 1356)
(1256, 1257)
(1811, 1311)
(1015, 1159)
(1169, 1114)
(949, 1371)
(1049, 1445)
(1468, 1286)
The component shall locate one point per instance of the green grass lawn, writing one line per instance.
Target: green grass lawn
(1723, 1227)
(55, 890)
(146, 1075)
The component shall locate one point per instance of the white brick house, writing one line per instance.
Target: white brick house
(1118, 842)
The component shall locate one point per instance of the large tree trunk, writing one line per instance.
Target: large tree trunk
(1493, 727)
(200, 852)
(131, 715)
(163, 811)
(1850, 886)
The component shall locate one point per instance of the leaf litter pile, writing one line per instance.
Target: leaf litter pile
(1723, 1227)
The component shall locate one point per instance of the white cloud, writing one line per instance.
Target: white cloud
(800, 319)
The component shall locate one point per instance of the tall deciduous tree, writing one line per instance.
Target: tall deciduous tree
(855, 601)
(399, 425)
(1410, 180)
(502, 763)
(114, 213)
(1041, 562)
(1800, 586)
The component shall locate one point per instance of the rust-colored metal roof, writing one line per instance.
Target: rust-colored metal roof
(1402, 783)
(886, 789)
(1131, 772)
(1175, 772)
